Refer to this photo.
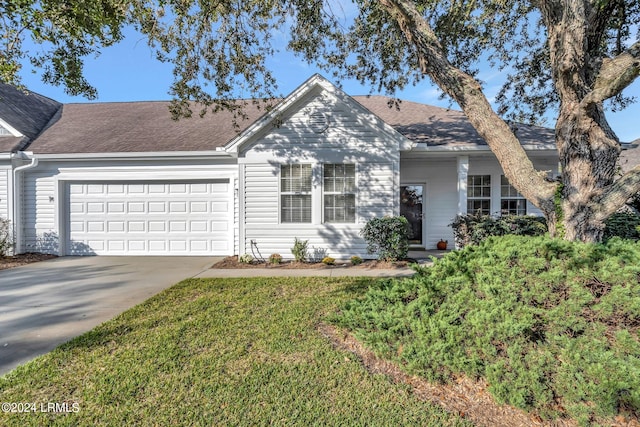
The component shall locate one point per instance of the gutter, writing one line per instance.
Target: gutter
(16, 208)
(154, 155)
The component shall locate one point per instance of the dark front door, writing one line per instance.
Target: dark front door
(411, 207)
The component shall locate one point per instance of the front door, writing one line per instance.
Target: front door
(411, 207)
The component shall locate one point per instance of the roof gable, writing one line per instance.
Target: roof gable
(24, 115)
(318, 88)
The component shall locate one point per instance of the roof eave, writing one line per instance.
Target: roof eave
(157, 155)
(422, 147)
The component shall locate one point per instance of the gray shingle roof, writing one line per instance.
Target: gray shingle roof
(136, 127)
(630, 157)
(27, 112)
(438, 126)
(147, 126)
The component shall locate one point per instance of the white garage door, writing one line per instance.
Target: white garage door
(149, 218)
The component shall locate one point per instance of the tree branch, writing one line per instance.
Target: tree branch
(617, 194)
(615, 75)
(467, 92)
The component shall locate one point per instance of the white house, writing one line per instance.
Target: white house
(123, 178)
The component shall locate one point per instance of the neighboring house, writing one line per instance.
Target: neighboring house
(123, 178)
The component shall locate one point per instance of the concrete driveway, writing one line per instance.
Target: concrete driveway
(47, 303)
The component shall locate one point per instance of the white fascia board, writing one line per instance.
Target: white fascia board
(421, 147)
(154, 155)
(13, 131)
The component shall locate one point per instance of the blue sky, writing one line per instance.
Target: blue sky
(129, 71)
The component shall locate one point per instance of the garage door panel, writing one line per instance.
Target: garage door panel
(164, 218)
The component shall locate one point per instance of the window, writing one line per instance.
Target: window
(479, 194)
(295, 193)
(511, 202)
(339, 186)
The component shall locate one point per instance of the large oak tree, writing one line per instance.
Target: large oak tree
(569, 56)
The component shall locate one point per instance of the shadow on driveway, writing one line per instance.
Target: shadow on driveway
(47, 303)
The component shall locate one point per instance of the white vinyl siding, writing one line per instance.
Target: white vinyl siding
(4, 193)
(38, 210)
(377, 196)
(350, 138)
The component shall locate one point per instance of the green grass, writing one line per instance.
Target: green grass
(218, 352)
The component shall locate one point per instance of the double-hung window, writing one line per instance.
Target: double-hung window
(295, 193)
(339, 188)
(479, 194)
(511, 202)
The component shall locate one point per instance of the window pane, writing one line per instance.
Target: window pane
(329, 185)
(339, 208)
(512, 202)
(296, 208)
(481, 207)
(513, 207)
(295, 178)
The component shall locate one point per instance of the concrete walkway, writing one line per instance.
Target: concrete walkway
(47, 303)
(300, 272)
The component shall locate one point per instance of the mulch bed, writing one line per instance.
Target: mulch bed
(22, 259)
(232, 262)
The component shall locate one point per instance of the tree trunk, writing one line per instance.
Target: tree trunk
(588, 158)
(587, 147)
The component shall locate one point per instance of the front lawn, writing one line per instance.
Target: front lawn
(216, 352)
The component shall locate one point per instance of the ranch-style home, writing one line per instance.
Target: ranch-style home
(126, 179)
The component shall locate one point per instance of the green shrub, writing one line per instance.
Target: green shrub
(6, 237)
(388, 237)
(328, 260)
(356, 260)
(622, 224)
(275, 259)
(245, 259)
(547, 323)
(299, 250)
(474, 228)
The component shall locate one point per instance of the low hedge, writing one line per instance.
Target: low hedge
(474, 228)
(622, 224)
(553, 326)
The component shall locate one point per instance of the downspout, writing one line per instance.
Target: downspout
(17, 202)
